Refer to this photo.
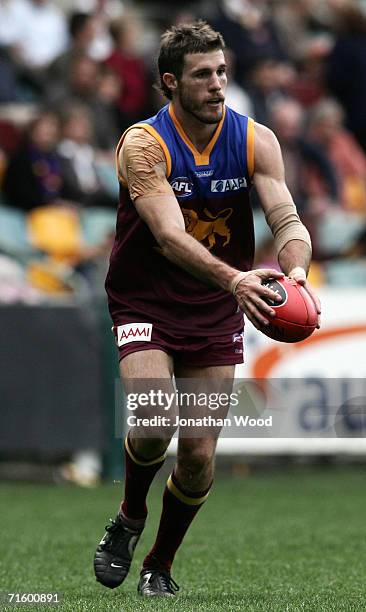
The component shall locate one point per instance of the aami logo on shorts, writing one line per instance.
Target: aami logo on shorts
(133, 332)
(182, 186)
(231, 184)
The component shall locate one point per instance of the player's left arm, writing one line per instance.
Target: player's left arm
(292, 239)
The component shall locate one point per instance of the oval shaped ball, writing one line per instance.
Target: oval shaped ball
(296, 316)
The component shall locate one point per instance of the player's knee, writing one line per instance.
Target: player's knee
(196, 460)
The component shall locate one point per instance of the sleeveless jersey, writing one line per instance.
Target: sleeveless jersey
(212, 189)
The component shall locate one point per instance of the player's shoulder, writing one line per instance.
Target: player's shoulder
(264, 135)
(265, 142)
(138, 136)
(140, 145)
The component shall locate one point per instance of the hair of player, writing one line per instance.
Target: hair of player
(178, 41)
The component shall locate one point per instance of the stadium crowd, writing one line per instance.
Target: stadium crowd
(73, 76)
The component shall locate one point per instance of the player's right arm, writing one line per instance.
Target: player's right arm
(143, 166)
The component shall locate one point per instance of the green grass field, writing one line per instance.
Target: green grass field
(273, 541)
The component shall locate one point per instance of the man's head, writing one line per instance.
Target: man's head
(326, 121)
(192, 70)
(286, 120)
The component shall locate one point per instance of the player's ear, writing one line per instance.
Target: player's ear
(170, 81)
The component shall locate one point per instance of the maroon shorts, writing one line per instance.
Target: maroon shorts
(187, 350)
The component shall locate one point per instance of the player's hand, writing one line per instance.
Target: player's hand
(250, 294)
(299, 275)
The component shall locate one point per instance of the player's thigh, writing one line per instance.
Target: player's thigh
(212, 386)
(150, 363)
(220, 372)
(151, 410)
(205, 398)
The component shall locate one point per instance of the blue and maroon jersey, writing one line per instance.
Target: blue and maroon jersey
(212, 189)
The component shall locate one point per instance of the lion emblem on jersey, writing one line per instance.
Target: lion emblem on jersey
(208, 230)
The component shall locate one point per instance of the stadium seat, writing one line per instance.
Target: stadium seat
(337, 231)
(262, 231)
(97, 223)
(107, 176)
(56, 230)
(14, 240)
(346, 272)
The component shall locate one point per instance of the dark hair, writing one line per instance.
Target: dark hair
(117, 29)
(178, 41)
(77, 22)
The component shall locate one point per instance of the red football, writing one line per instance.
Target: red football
(296, 316)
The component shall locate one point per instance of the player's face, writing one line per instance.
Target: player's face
(201, 89)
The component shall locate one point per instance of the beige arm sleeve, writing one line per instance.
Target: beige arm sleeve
(142, 164)
(286, 225)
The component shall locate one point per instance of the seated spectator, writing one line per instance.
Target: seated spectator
(310, 175)
(82, 32)
(251, 33)
(309, 86)
(33, 175)
(299, 24)
(130, 67)
(42, 33)
(79, 160)
(327, 131)
(267, 82)
(235, 96)
(3, 164)
(9, 91)
(346, 67)
(11, 17)
(105, 113)
(77, 85)
(34, 33)
(98, 88)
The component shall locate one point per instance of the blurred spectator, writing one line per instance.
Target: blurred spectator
(235, 96)
(300, 23)
(35, 30)
(309, 173)
(184, 16)
(327, 130)
(102, 12)
(82, 32)
(79, 160)
(358, 248)
(14, 287)
(309, 87)
(130, 67)
(105, 111)
(347, 65)
(8, 79)
(34, 33)
(97, 87)
(79, 84)
(267, 80)
(11, 18)
(33, 175)
(251, 33)
(3, 164)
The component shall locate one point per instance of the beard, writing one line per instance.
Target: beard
(200, 111)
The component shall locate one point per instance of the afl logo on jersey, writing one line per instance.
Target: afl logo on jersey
(182, 187)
